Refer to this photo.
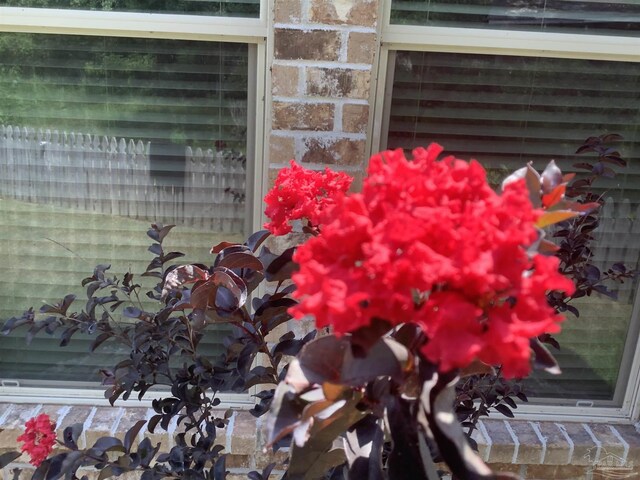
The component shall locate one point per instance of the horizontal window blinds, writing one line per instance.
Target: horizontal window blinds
(506, 111)
(569, 16)
(99, 137)
(223, 8)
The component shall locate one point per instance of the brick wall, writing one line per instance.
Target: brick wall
(534, 450)
(323, 53)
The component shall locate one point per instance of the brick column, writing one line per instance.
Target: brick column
(321, 82)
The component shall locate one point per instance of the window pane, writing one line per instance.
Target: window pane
(99, 138)
(506, 111)
(589, 16)
(224, 8)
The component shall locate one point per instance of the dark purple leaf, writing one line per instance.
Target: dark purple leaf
(279, 267)
(157, 232)
(108, 444)
(611, 137)
(434, 415)
(172, 256)
(583, 166)
(256, 239)
(131, 434)
(7, 458)
(543, 358)
(363, 448)
(503, 409)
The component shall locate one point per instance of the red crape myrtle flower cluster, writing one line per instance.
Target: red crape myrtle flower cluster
(39, 438)
(430, 242)
(302, 194)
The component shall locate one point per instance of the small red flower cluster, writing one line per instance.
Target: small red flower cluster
(299, 193)
(430, 242)
(39, 438)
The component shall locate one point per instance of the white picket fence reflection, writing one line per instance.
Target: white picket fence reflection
(124, 177)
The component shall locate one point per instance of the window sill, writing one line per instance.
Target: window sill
(558, 450)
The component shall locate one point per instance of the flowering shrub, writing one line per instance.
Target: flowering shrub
(39, 438)
(430, 242)
(302, 194)
(425, 277)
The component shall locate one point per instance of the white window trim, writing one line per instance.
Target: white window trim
(520, 43)
(253, 31)
(133, 24)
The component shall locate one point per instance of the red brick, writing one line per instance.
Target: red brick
(288, 11)
(632, 437)
(306, 44)
(613, 449)
(584, 448)
(345, 12)
(244, 434)
(502, 447)
(558, 450)
(284, 80)
(341, 151)
(506, 468)
(13, 425)
(303, 116)
(529, 445)
(557, 472)
(338, 83)
(102, 423)
(281, 149)
(361, 47)
(355, 118)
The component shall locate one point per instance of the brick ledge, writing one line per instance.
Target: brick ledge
(534, 450)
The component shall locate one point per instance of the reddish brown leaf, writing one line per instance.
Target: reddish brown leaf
(554, 196)
(183, 275)
(221, 246)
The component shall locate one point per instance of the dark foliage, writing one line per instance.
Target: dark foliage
(333, 401)
(481, 393)
(164, 348)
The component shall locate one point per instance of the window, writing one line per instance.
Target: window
(102, 135)
(508, 84)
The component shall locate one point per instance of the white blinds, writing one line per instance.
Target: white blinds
(621, 17)
(506, 111)
(99, 137)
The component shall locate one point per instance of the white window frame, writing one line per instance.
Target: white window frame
(396, 37)
(252, 31)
